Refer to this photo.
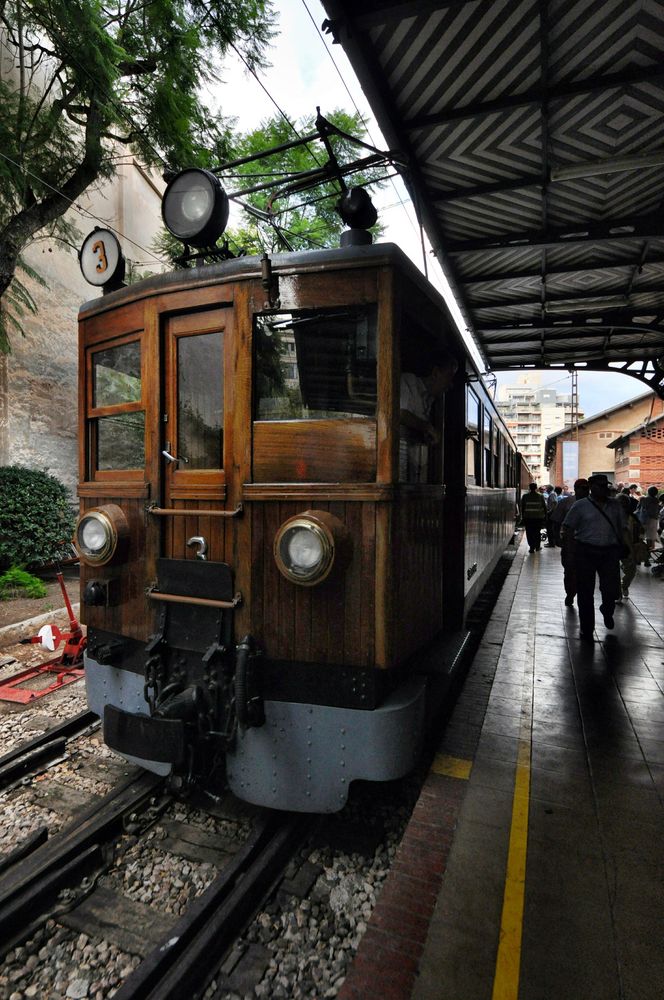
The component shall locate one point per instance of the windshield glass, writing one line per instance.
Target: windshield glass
(316, 364)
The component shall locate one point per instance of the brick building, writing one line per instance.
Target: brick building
(595, 438)
(639, 454)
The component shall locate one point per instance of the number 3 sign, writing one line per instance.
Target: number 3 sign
(101, 259)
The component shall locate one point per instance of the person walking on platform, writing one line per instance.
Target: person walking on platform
(533, 515)
(567, 543)
(648, 514)
(632, 536)
(597, 523)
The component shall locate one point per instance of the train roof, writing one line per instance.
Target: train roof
(239, 268)
(245, 268)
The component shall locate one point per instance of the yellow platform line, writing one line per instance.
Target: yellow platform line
(508, 960)
(451, 767)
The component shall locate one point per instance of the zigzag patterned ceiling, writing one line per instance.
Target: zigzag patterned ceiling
(535, 134)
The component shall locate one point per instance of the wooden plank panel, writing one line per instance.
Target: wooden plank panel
(353, 577)
(237, 445)
(115, 323)
(324, 288)
(271, 583)
(287, 590)
(417, 571)
(315, 450)
(315, 492)
(324, 623)
(337, 598)
(132, 615)
(387, 421)
(258, 552)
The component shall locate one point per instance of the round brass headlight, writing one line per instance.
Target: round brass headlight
(307, 546)
(101, 535)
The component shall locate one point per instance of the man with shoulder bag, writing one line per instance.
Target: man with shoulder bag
(597, 524)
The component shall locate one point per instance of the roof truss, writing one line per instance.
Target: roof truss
(526, 166)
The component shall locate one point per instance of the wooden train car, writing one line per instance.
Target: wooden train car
(262, 564)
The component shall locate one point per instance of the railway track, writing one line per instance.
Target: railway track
(28, 890)
(186, 961)
(28, 757)
(57, 876)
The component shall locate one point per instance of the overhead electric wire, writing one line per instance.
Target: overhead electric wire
(283, 114)
(362, 118)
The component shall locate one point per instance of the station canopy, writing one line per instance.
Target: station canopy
(533, 133)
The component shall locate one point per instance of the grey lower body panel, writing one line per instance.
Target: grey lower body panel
(106, 685)
(305, 756)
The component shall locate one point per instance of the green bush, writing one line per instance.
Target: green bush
(36, 518)
(18, 583)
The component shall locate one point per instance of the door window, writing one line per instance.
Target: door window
(200, 401)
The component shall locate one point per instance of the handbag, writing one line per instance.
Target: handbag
(641, 551)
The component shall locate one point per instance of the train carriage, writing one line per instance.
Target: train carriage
(263, 568)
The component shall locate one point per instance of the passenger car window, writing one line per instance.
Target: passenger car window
(116, 375)
(120, 441)
(116, 416)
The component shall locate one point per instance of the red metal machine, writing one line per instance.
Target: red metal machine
(67, 666)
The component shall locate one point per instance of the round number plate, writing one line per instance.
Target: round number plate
(101, 258)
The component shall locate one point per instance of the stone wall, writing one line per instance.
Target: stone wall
(39, 378)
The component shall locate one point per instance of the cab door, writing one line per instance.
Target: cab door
(193, 438)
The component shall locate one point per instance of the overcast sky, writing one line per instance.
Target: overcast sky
(307, 72)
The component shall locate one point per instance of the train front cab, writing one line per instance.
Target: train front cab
(217, 415)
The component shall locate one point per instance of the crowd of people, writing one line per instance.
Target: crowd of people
(604, 531)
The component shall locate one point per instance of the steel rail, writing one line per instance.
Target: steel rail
(31, 755)
(29, 889)
(181, 967)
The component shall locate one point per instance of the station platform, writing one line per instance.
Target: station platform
(533, 864)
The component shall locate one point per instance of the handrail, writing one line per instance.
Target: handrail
(191, 512)
(157, 595)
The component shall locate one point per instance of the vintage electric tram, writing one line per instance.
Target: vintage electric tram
(265, 573)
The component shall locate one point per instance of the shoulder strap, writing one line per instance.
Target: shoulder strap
(606, 518)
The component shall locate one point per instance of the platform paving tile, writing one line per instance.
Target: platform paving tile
(501, 725)
(648, 730)
(553, 734)
(505, 706)
(497, 747)
(625, 772)
(593, 915)
(560, 759)
(555, 824)
(571, 790)
(565, 954)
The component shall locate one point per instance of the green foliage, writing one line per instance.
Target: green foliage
(16, 303)
(307, 219)
(82, 76)
(16, 582)
(36, 520)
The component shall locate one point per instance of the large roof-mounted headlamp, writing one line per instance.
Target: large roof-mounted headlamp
(195, 207)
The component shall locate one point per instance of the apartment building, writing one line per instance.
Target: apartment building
(532, 413)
